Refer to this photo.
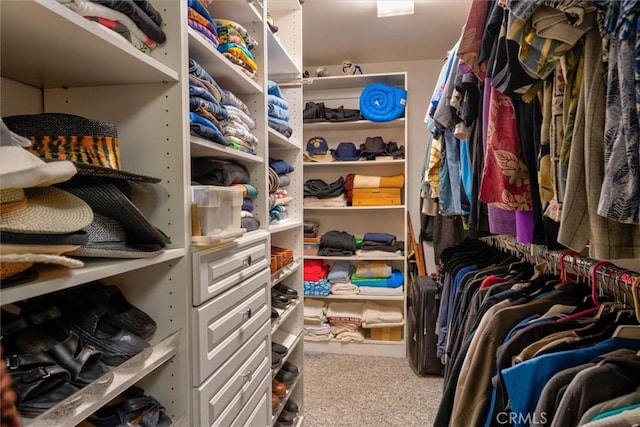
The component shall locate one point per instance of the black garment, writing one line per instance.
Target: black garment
(322, 190)
(613, 377)
(138, 16)
(338, 240)
(205, 171)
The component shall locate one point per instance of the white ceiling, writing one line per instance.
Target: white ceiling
(337, 30)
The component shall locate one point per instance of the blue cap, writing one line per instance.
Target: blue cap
(317, 145)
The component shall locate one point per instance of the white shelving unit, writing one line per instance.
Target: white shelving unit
(358, 220)
(53, 60)
(285, 69)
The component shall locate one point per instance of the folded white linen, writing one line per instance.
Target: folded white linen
(374, 313)
(351, 310)
(381, 291)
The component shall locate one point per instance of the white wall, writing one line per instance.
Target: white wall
(422, 76)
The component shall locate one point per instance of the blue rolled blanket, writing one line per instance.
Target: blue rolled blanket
(382, 103)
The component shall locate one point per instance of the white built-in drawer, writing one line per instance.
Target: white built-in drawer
(226, 322)
(257, 411)
(217, 270)
(220, 399)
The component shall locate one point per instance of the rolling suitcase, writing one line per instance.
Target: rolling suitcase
(422, 314)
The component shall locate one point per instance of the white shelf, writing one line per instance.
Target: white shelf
(284, 272)
(277, 5)
(288, 340)
(284, 225)
(35, 50)
(201, 147)
(284, 314)
(56, 278)
(352, 81)
(359, 125)
(357, 163)
(226, 74)
(353, 208)
(278, 140)
(366, 348)
(83, 403)
(360, 297)
(281, 64)
(240, 11)
(390, 257)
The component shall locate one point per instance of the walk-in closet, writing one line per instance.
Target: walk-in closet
(320, 213)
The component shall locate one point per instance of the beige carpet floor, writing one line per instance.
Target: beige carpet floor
(367, 391)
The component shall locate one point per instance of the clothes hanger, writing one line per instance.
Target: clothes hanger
(594, 294)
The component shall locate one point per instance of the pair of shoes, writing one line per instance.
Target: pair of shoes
(290, 367)
(39, 382)
(278, 388)
(279, 300)
(291, 406)
(314, 112)
(120, 311)
(82, 362)
(275, 401)
(279, 348)
(94, 324)
(132, 408)
(274, 314)
(286, 418)
(285, 377)
(286, 290)
(276, 359)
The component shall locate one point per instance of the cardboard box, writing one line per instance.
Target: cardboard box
(387, 334)
(376, 196)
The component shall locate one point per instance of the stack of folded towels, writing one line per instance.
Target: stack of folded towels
(138, 22)
(377, 278)
(346, 320)
(315, 278)
(377, 315)
(201, 21)
(278, 116)
(340, 279)
(237, 45)
(316, 325)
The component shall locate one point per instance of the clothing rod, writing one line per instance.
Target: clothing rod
(559, 259)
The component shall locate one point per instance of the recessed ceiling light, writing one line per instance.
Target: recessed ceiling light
(394, 7)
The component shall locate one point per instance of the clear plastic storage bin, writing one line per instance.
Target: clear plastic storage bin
(218, 208)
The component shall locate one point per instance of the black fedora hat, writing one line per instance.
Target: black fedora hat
(111, 201)
(92, 145)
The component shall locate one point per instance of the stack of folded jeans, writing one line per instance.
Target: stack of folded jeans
(205, 110)
(278, 110)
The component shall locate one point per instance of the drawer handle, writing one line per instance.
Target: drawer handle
(247, 261)
(246, 315)
(247, 377)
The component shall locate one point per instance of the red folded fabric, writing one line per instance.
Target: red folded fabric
(315, 269)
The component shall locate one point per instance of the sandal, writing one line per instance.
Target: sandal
(132, 407)
(121, 312)
(82, 362)
(39, 383)
(94, 327)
